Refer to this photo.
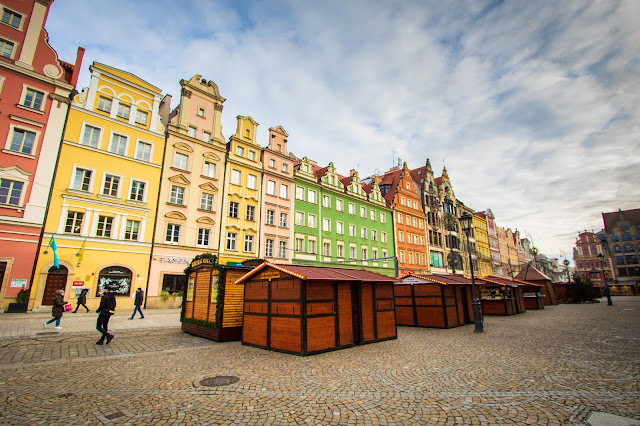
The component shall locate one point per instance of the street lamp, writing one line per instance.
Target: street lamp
(606, 286)
(466, 221)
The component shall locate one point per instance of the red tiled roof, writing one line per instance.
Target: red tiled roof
(320, 273)
(610, 219)
(445, 279)
(392, 178)
(418, 176)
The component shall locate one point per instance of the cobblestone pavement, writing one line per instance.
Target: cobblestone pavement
(559, 365)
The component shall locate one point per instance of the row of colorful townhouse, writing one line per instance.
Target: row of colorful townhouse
(111, 187)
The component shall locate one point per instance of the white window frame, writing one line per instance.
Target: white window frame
(240, 151)
(270, 217)
(268, 247)
(139, 115)
(340, 228)
(312, 221)
(206, 196)
(34, 147)
(248, 240)
(174, 201)
(203, 233)
(192, 131)
(252, 181)
(236, 177)
(174, 238)
(339, 205)
(210, 167)
(251, 155)
(271, 187)
(232, 241)
(73, 178)
(206, 136)
(106, 98)
(144, 192)
(284, 220)
(126, 143)
(326, 225)
(352, 208)
(104, 183)
(140, 143)
(312, 196)
(178, 164)
(23, 98)
(284, 191)
(85, 127)
(326, 201)
(300, 193)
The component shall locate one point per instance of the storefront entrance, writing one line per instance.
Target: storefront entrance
(56, 280)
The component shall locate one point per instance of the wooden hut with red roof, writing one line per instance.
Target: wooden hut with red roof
(305, 310)
(501, 296)
(532, 275)
(433, 300)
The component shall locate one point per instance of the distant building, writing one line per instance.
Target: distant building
(587, 263)
(622, 230)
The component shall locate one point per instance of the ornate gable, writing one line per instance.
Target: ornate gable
(180, 179)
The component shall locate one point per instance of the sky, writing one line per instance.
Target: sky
(532, 106)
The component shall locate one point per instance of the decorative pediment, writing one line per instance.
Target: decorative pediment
(211, 156)
(205, 220)
(181, 146)
(208, 187)
(180, 179)
(175, 215)
(15, 172)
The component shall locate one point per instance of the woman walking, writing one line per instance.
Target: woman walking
(138, 302)
(58, 308)
(82, 300)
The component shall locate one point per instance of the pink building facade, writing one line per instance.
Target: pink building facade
(277, 212)
(34, 99)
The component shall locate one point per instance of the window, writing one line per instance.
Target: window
(268, 248)
(91, 136)
(282, 253)
(339, 205)
(352, 252)
(118, 144)
(203, 237)
(402, 201)
(252, 155)
(111, 185)
(285, 168)
(399, 217)
(74, 222)
(137, 190)
(173, 233)
(312, 246)
(82, 179)
(104, 104)
(420, 223)
(180, 161)
(401, 257)
(206, 137)
(352, 230)
(284, 191)
(132, 230)
(206, 201)
(415, 239)
(283, 220)
(141, 117)
(352, 208)
(240, 151)
(401, 237)
(326, 225)
(312, 196)
(411, 258)
(22, 141)
(373, 215)
(363, 212)
(10, 192)
(11, 18)
(236, 177)
(272, 163)
(374, 235)
(312, 221)
(414, 205)
(271, 187)
(143, 151)
(231, 240)
(271, 217)
(340, 250)
(326, 201)
(209, 170)
(105, 224)
(33, 99)
(177, 195)
(200, 112)
(123, 111)
(191, 131)
(251, 213)
(413, 221)
(421, 240)
(251, 181)
(383, 218)
(233, 209)
(383, 237)
(363, 232)
(364, 253)
(248, 243)
(300, 218)
(299, 244)
(384, 255)
(326, 249)
(299, 193)
(340, 228)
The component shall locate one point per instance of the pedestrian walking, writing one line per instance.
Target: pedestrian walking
(138, 302)
(82, 300)
(57, 309)
(105, 310)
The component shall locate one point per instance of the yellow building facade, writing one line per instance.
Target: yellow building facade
(242, 189)
(104, 200)
(482, 245)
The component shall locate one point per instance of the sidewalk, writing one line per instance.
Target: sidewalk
(30, 324)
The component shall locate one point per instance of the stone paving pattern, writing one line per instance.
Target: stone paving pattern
(553, 366)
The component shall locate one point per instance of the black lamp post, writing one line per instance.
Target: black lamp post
(606, 286)
(466, 221)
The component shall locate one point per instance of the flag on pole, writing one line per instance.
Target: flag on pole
(81, 252)
(54, 247)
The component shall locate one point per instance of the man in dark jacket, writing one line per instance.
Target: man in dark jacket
(105, 310)
(57, 309)
(138, 302)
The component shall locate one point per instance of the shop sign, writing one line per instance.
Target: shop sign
(78, 283)
(172, 260)
(190, 286)
(201, 261)
(18, 282)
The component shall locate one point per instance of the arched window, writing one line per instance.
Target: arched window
(617, 249)
(117, 279)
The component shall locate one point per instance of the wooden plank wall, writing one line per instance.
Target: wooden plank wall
(233, 298)
(345, 315)
(285, 320)
(429, 305)
(385, 311)
(256, 309)
(320, 316)
(405, 312)
(366, 313)
(202, 294)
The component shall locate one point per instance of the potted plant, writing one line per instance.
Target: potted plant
(22, 301)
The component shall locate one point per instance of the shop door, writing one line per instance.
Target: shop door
(56, 280)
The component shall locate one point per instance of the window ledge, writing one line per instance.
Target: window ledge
(209, 177)
(136, 202)
(78, 191)
(19, 154)
(176, 205)
(179, 170)
(27, 108)
(12, 207)
(206, 211)
(108, 197)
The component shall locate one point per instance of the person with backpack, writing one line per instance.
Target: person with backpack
(105, 310)
(82, 300)
(138, 302)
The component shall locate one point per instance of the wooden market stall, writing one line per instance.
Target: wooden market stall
(212, 304)
(500, 296)
(566, 291)
(530, 274)
(305, 310)
(434, 300)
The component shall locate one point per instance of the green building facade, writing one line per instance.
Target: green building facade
(339, 221)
